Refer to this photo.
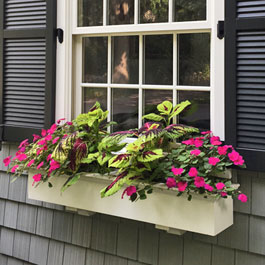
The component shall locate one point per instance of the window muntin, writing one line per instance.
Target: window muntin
(174, 28)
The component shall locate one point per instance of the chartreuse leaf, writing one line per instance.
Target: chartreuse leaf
(122, 179)
(153, 117)
(150, 155)
(103, 158)
(90, 158)
(70, 181)
(136, 146)
(165, 107)
(179, 108)
(120, 161)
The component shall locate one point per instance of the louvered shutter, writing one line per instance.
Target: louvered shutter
(27, 67)
(245, 79)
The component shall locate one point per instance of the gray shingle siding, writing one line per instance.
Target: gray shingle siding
(33, 232)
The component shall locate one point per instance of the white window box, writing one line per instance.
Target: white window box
(162, 208)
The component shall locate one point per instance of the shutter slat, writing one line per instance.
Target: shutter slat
(248, 9)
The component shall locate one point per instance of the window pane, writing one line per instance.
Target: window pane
(153, 97)
(91, 95)
(95, 54)
(153, 11)
(194, 59)
(158, 59)
(125, 108)
(121, 12)
(90, 13)
(125, 66)
(190, 10)
(198, 113)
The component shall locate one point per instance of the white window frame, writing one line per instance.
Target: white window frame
(69, 58)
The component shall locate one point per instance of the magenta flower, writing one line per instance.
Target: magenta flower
(52, 129)
(43, 133)
(213, 161)
(206, 132)
(129, 191)
(14, 169)
(22, 149)
(220, 185)
(223, 194)
(215, 140)
(171, 183)
(195, 152)
(182, 186)
(30, 163)
(37, 178)
(242, 197)
(48, 137)
(69, 123)
(198, 142)
(199, 182)
(233, 156)
(7, 161)
(53, 166)
(36, 137)
(42, 142)
(189, 142)
(240, 161)
(24, 143)
(55, 140)
(59, 121)
(40, 165)
(49, 157)
(177, 171)
(193, 172)
(22, 157)
(222, 150)
(208, 187)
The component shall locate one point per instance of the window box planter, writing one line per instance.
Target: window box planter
(163, 208)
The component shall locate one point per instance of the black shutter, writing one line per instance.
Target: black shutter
(245, 79)
(27, 67)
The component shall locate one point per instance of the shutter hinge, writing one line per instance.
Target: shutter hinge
(59, 34)
(221, 29)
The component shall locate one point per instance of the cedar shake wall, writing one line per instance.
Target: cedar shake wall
(33, 232)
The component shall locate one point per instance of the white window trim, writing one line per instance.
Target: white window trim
(67, 57)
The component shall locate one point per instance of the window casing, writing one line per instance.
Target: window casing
(146, 90)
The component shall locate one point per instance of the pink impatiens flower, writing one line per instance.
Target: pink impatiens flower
(242, 197)
(129, 191)
(22, 157)
(182, 186)
(215, 140)
(171, 183)
(40, 165)
(37, 178)
(49, 157)
(24, 143)
(189, 142)
(236, 158)
(198, 142)
(7, 161)
(199, 182)
(213, 161)
(69, 123)
(193, 172)
(14, 169)
(177, 171)
(55, 140)
(195, 152)
(206, 132)
(48, 137)
(43, 133)
(223, 194)
(222, 150)
(220, 185)
(36, 137)
(30, 163)
(52, 129)
(59, 121)
(208, 187)
(42, 142)
(53, 166)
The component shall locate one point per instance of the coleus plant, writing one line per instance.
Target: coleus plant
(70, 149)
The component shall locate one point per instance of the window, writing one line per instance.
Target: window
(132, 54)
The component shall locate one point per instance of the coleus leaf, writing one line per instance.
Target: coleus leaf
(178, 130)
(150, 155)
(151, 130)
(104, 157)
(70, 181)
(140, 167)
(90, 158)
(123, 178)
(153, 117)
(120, 161)
(179, 108)
(165, 107)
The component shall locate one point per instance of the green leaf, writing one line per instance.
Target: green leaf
(151, 155)
(103, 158)
(120, 161)
(71, 181)
(50, 185)
(153, 117)
(90, 158)
(179, 108)
(165, 107)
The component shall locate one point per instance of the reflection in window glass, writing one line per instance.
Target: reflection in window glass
(194, 59)
(158, 59)
(198, 113)
(95, 53)
(121, 12)
(125, 65)
(154, 97)
(91, 95)
(190, 10)
(90, 13)
(153, 11)
(125, 108)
